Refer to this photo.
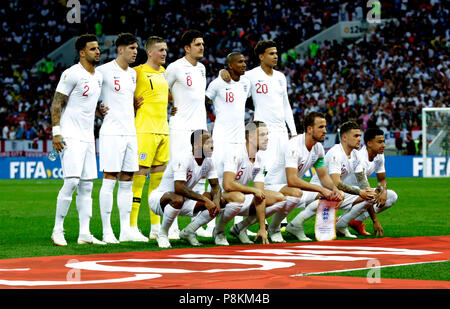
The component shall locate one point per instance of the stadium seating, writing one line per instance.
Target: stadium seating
(384, 80)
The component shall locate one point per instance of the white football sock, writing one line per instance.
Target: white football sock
(350, 214)
(272, 209)
(106, 200)
(63, 201)
(170, 214)
(307, 213)
(229, 212)
(125, 203)
(84, 205)
(201, 219)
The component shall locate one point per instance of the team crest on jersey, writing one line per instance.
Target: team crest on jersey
(203, 171)
(203, 73)
(245, 88)
(142, 156)
(255, 172)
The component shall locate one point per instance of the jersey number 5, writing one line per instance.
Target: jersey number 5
(116, 85)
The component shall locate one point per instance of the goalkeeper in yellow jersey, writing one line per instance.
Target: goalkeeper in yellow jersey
(152, 93)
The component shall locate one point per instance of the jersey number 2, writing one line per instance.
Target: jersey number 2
(86, 87)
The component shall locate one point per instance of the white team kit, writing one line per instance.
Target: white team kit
(337, 162)
(77, 121)
(377, 166)
(295, 155)
(229, 126)
(245, 171)
(187, 83)
(118, 143)
(182, 168)
(270, 98)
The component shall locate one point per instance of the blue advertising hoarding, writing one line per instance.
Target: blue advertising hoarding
(43, 168)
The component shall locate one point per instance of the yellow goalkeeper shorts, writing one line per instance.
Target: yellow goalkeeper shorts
(153, 149)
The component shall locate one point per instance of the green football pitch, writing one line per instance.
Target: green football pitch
(27, 210)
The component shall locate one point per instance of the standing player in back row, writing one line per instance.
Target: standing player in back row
(187, 83)
(270, 99)
(73, 114)
(151, 127)
(118, 143)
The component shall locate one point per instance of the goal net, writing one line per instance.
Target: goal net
(435, 141)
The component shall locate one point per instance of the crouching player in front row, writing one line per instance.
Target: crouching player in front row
(174, 196)
(241, 167)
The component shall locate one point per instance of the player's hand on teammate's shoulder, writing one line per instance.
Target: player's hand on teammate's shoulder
(225, 75)
(102, 110)
(173, 111)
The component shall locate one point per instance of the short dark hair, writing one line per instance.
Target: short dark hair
(348, 126)
(371, 133)
(261, 46)
(189, 36)
(125, 39)
(230, 58)
(152, 40)
(83, 39)
(310, 117)
(198, 133)
(253, 125)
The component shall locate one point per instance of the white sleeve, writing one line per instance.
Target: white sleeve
(380, 167)
(179, 171)
(67, 82)
(212, 173)
(230, 163)
(171, 75)
(334, 163)
(360, 166)
(211, 92)
(291, 156)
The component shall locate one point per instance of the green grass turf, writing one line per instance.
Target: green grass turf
(27, 210)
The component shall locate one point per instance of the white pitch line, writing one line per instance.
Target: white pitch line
(352, 269)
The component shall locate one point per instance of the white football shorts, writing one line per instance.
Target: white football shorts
(118, 153)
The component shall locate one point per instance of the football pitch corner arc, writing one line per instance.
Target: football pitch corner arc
(259, 266)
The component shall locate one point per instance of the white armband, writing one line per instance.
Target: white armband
(56, 130)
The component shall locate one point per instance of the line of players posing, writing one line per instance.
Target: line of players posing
(134, 142)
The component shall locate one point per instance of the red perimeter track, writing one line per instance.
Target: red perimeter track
(274, 266)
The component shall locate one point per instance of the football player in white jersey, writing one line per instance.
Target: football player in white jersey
(341, 161)
(241, 168)
(187, 84)
(73, 115)
(118, 143)
(270, 100)
(229, 106)
(300, 154)
(372, 161)
(175, 195)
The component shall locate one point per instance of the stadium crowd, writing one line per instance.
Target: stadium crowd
(382, 80)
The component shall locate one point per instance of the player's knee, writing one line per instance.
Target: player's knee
(279, 197)
(85, 187)
(70, 184)
(235, 197)
(177, 201)
(392, 197)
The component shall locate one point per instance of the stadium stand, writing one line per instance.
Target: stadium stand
(382, 80)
